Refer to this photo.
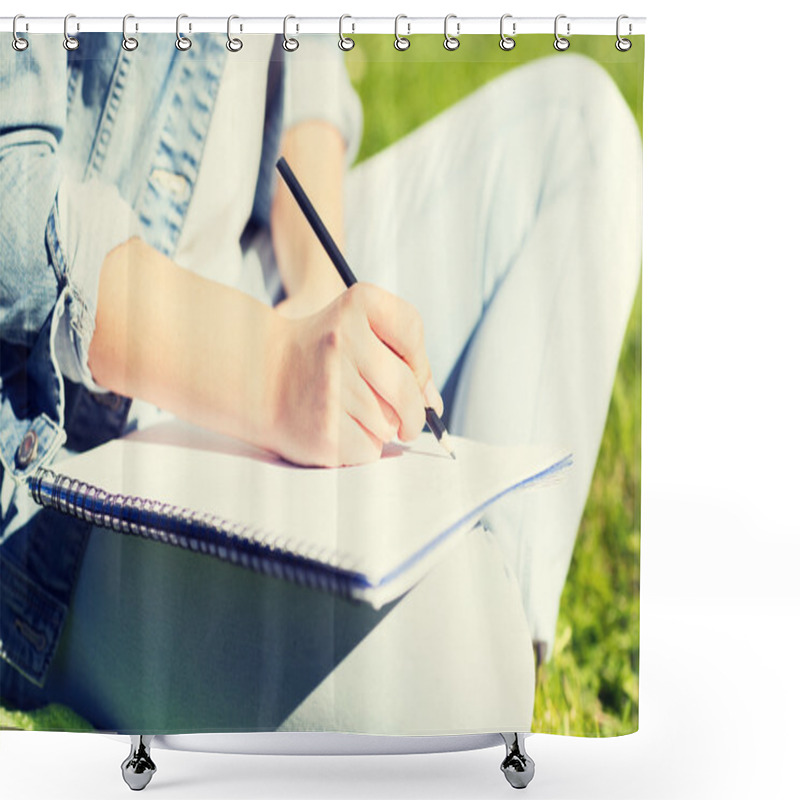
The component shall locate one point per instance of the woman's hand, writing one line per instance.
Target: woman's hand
(326, 287)
(342, 382)
(326, 389)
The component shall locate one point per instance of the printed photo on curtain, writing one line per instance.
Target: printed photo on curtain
(320, 384)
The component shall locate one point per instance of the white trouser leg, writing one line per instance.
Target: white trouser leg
(514, 218)
(453, 656)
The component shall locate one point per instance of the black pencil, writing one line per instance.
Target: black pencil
(326, 240)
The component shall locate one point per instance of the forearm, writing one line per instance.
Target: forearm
(315, 151)
(327, 389)
(181, 342)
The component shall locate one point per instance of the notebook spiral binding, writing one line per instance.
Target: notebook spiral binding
(243, 545)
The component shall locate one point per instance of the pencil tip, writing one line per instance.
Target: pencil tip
(444, 441)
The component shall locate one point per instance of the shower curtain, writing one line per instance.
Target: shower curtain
(158, 274)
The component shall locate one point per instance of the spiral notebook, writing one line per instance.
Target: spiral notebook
(368, 532)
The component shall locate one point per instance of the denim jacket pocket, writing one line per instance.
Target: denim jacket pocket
(30, 622)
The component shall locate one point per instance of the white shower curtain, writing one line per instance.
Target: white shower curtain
(162, 288)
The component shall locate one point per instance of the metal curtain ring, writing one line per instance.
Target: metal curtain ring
(400, 42)
(128, 42)
(506, 42)
(18, 42)
(623, 45)
(560, 42)
(289, 44)
(345, 42)
(234, 45)
(70, 42)
(182, 42)
(451, 42)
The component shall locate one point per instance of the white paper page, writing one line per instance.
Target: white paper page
(374, 519)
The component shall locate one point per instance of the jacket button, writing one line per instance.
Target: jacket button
(27, 449)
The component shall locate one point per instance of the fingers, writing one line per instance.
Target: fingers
(399, 325)
(368, 409)
(360, 379)
(392, 379)
(362, 445)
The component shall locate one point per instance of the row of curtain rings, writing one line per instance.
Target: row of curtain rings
(291, 44)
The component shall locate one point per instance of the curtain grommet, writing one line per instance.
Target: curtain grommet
(70, 42)
(507, 42)
(451, 42)
(129, 43)
(290, 44)
(233, 44)
(560, 43)
(19, 43)
(345, 42)
(401, 43)
(622, 44)
(182, 43)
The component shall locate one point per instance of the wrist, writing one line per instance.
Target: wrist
(321, 287)
(319, 274)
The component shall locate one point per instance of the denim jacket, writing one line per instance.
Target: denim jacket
(95, 144)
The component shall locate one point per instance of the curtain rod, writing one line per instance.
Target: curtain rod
(457, 26)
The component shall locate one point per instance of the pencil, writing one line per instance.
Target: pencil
(326, 240)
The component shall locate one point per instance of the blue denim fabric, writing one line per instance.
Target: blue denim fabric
(85, 136)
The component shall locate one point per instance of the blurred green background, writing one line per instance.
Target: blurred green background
(591, 686)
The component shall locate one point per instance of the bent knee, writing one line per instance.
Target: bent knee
(571, 84)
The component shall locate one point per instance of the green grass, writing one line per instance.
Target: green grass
(590, 687)
(50, 718)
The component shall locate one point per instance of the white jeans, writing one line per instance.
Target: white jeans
(512, 222)
(516, 234)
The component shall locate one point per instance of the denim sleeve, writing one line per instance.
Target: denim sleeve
(92, 219)
(318, 87)
(54, 234)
